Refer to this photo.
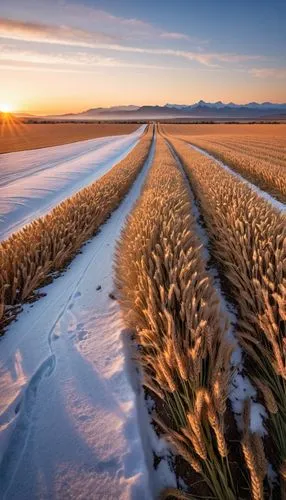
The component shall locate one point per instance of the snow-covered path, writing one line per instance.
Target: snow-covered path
(68, 415)
(33, 182)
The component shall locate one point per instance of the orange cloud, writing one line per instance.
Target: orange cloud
(62, 35)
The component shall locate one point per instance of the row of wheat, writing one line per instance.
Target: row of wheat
(270, 151)
(248, 239)
(168, 298)
(268, 175)
(47, 244)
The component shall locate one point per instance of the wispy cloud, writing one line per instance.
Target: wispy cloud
(116, 27)
(44, 33)
(205, 58)
(36, 57)
(279, 73)
(175, 36)
(126, 27)
(66, 35)
(17, 65)
(80, 61)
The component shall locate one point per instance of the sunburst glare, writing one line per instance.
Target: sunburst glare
(6, 108)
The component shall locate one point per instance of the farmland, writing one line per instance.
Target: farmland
(18, 136)
(255, 152)
(155, 341)
(264, 131)
(58, 172)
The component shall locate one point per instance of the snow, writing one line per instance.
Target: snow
(70, 403)
(242, 389)
(163, 476)
(263, 194)
(33, 182)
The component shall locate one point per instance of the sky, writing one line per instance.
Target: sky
(61, 56)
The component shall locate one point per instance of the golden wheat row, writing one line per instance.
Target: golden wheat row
(169, 299)
(48, 243)
(269, 151)
(249, 240)
(266, 174)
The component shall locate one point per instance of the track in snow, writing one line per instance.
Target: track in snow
(33, 182)
(68, 412)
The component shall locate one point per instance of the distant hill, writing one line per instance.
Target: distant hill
(200, 110)
(112, 109)
(22, 115)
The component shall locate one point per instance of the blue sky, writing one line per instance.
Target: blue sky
(241, 24)
(62, 55)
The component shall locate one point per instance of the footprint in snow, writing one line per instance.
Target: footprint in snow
(82, 333)
(83, 418)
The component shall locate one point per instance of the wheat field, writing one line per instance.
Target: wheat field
(19, 136)
(143, 250)
(169, 300)
(47, 244)
(248, 240)
(264, 131)
(200, 276)
(258, 156)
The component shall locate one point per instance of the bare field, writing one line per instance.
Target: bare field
(17, 136)
(257, 129)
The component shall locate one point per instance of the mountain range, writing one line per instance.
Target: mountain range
(201, 109)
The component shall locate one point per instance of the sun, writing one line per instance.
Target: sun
(6, 108)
